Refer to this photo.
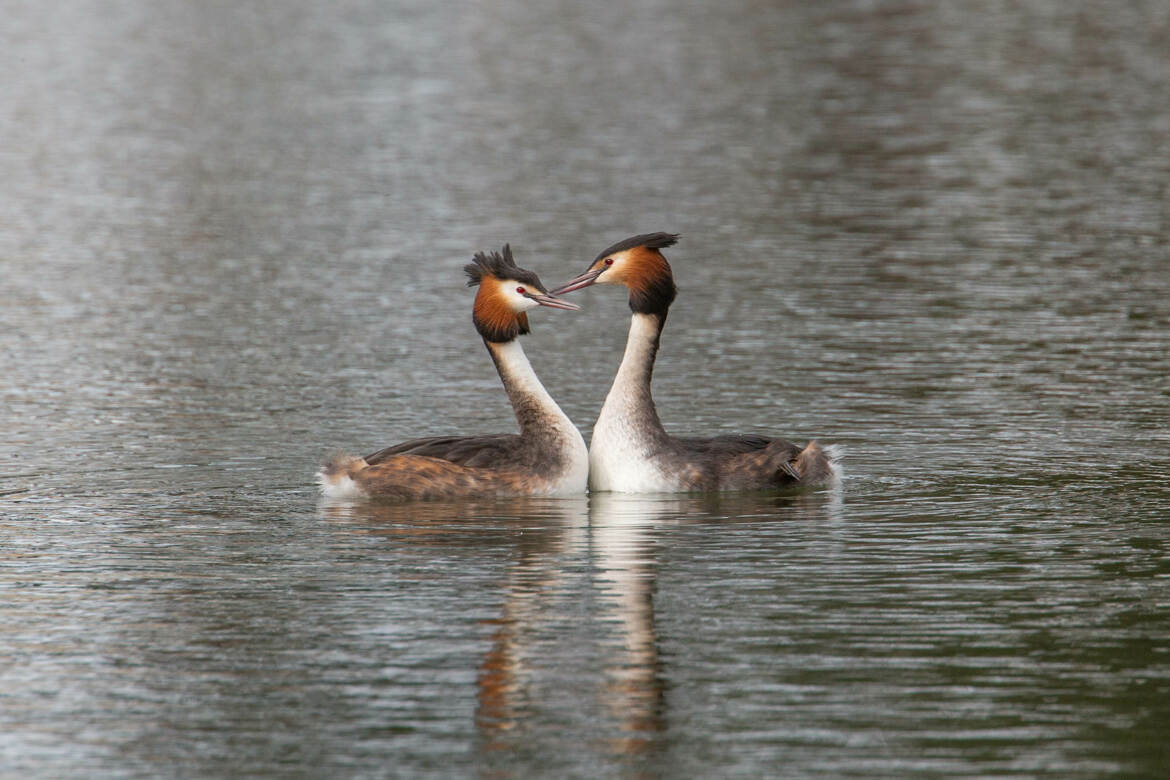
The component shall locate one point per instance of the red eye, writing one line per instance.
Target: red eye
(521, 290)
(609, 261)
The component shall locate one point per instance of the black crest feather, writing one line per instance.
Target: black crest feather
(648, 240)
(501, 266)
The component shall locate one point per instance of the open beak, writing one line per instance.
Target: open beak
(553, 303)
(584, 280)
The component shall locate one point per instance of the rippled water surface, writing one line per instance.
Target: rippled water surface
(935, 234)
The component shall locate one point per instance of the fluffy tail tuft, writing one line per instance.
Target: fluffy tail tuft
(818, 465)
(336, 477)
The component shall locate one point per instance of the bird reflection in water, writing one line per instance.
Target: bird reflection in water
(514, 661)
(574, 652)
(622, 546)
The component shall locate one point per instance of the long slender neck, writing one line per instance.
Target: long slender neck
(536, 411)
(630, 394)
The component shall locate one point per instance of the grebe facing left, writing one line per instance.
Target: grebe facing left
(547, 458)
(631, 452)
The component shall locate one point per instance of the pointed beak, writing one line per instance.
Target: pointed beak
(582, 281)
(552, 302)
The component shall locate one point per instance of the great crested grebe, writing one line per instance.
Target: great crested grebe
(631, 452)
(547, 458)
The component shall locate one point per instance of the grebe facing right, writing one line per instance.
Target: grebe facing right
(631, 452)
(548, 458)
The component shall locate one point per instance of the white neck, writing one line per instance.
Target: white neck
(535, 409)
(630, 393)
(628, 432)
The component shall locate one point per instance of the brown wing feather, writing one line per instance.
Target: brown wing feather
(739, 462)
(471, 451)
(730, 444)
(415, 477)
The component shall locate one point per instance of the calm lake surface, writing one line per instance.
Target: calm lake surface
(937, 235)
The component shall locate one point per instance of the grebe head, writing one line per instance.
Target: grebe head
(506, 293)
(638, 264)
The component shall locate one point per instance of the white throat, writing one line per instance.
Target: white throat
(527, 393)
(632, 380)
(620, 454)
(520, 378)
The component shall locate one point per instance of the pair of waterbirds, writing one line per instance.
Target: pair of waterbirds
(630, 451)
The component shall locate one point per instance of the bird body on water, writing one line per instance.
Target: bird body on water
(547, 458)
(631, 452)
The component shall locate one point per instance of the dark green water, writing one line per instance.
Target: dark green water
(230, 242)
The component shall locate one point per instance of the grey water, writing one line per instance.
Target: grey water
(935, 234)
